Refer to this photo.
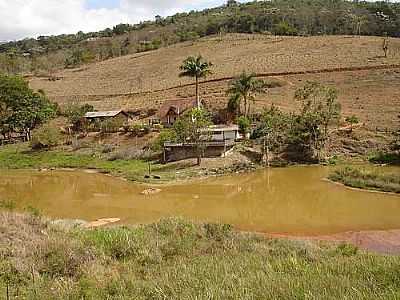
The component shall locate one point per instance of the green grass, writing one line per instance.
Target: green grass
(392, 158)
(176, 259)
(21, 157)
(365, 179)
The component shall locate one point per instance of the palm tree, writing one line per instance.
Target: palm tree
(244, 88)
(198, 68)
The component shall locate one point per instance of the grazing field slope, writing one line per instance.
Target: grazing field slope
(368, 83)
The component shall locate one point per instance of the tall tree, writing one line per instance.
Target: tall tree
(243, 89)
(192, 128)
(320, 109)
(197, 68)
(26, 109)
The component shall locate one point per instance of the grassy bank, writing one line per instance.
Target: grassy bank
(21, 157)
(365, 179)
(174, 259)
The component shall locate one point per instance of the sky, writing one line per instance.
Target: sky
(32, 18)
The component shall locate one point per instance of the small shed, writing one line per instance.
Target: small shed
(223, 132)
(104, 115)
(171, 110)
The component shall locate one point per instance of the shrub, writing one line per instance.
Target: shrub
(130, 154)
(62, 258)
(111, 125)
(244, 124)
(166, 135)
(284, 28)
(45, 137)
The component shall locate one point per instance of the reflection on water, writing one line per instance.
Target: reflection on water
(291, 200)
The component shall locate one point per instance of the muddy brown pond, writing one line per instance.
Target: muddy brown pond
(296, 201)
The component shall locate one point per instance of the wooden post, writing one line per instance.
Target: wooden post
(7, 292)
(164, 155)
(223, 137)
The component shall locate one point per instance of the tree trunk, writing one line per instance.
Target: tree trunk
(197, 92)
(198, 157)
(245, 105)
(268, 151)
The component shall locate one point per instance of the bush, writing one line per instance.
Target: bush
(62, 258)
(45, 137)
(111, 125)
(131, 154)
(284, 28)
(244, 124)
(167, 135)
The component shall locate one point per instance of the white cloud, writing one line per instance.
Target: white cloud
(31, 18)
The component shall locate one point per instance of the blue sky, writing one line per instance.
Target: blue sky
(31, 18)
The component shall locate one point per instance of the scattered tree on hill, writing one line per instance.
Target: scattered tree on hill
(272, 131)
(191, 128)
(319, 110)
(243, 90)
(244, 124)
(75, 114)
(352, 120)
(22, 108)
(385, 46)
(46, 136)
(197, 68)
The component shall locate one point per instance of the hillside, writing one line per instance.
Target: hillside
(367, 82)
(277, 17)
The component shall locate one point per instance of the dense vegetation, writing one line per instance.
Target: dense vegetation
(21, 108)
(367, 179)
(281, 17)
(175, 259)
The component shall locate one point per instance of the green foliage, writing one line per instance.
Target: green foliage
(244, 124)
(243, 90)
(279, 17)
(22, 109)
(197, 68)
(177, 259)
(166, 135)
(19, 157)
(8, 204)
(353, 119)
(75, 113)
(192, 128)
(319, 110)
(390, 158)
(111, 125)
(366, 179)
(79, 57)
(284, 28)
(272, 130)
(46, 136)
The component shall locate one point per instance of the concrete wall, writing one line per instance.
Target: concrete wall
(185, 152)
(229, 135)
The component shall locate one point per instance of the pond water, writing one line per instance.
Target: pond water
(296, 200)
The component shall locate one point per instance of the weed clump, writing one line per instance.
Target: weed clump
(365, 179)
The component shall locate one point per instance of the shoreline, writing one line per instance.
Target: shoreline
(379, 241)
(360, 189)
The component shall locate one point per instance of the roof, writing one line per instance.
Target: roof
(215, 128)
(178, 105)
(102, 114)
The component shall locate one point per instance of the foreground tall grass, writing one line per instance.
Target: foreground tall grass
(175, 259)
(366, 179)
